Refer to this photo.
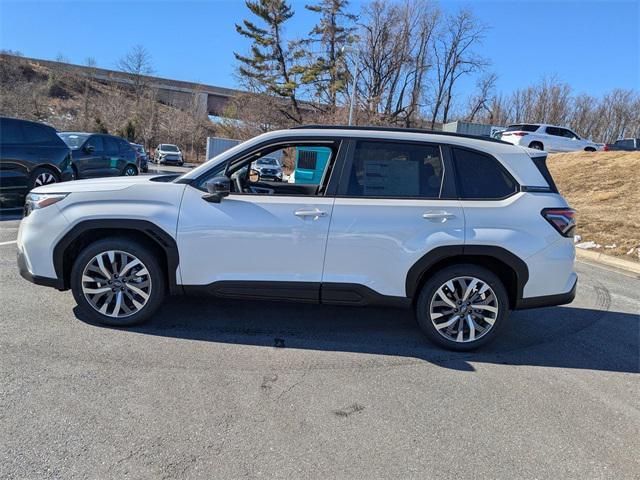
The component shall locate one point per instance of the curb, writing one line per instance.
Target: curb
(608, 260)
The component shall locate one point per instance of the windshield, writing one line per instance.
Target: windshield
(267, 161)
(138, 148)
(169, 148)
(73, 140)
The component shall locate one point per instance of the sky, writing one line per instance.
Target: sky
(594, 46)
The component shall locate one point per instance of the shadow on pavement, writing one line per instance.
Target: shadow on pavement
(559, 337)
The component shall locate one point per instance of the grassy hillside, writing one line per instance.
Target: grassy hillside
(604, 187)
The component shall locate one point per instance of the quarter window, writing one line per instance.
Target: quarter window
(481, 177)
(397, 170)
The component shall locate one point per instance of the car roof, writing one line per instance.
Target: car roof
(27, 121)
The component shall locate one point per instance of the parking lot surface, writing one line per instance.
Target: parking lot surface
(224, 389)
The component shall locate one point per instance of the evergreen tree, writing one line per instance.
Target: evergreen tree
(270, 66)
(328, 71)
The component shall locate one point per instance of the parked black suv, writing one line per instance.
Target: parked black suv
(100, 155)
(31, 154)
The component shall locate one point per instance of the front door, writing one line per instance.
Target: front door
(90, 159)
(266, 239)
(396, 203)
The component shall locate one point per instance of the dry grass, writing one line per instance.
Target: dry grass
(604, 187)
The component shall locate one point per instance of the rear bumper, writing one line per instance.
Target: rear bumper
(548, 300)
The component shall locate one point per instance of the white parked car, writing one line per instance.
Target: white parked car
(167, 153)
(461, 229)
(546, 137)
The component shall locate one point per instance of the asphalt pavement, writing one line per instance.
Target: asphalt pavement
(224, 389)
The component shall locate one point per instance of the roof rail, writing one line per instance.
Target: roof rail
(398, 129)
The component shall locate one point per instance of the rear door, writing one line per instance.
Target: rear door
(395, 203)
(115, 160)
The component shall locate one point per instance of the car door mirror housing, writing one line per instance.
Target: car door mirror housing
(88, 149)
(217, 188)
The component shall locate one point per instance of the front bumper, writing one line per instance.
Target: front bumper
(38, 280)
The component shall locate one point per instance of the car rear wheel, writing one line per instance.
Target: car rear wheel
(536, 146)
(462, 307)
(118, 282)
(130, 171)
(42, 176)
(589, 149)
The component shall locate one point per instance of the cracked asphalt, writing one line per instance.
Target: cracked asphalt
(224, 389)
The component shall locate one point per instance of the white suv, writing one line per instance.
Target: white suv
(461, 229)
(546, 137)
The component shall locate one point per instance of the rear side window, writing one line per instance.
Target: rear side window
(110, 144)
(39, 134)
(397, 170)
(481, 177)
(522, 127)
(10, 132)
(124, 145)
(557, 132)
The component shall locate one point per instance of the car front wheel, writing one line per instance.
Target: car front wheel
(462, 307)
(117, 282)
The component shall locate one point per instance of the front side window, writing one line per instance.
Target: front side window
(96, 143)
(396, 170)
(278, 169)
(481, 177)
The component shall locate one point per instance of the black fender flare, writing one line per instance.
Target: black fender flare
(439, 254)
(153, 232)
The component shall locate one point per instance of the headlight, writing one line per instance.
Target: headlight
(35, 201)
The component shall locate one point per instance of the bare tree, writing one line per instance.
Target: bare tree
(455, 57)
(481, 101)
(138, 65)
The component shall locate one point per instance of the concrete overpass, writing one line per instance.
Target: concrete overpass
(173, 92)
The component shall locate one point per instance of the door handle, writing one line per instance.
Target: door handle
(310, 213)
(442, 216)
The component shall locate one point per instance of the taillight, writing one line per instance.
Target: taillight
(562, 219)
(520, 134)
(606, 148)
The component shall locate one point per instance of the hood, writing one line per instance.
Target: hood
(94, 184)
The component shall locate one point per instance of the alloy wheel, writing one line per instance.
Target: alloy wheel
(45, 178)
(116, 283)
(130, 171)
(464, 309)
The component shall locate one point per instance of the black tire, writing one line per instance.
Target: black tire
(130, 171)
(536, 146)
(589, 149)
(148, 259)
(432, 285)
(43, 176)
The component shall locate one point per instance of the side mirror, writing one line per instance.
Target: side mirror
(254, 175)
(218, 188)
(88, 149)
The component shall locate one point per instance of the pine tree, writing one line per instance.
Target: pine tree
(270, 66)
(328, 71)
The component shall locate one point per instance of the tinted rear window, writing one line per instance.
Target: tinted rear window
(522, 127)
(481, 176)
